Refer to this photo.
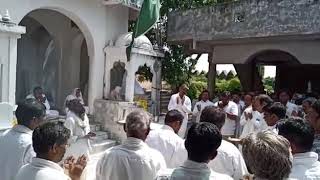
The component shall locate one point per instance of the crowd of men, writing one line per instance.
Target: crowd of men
(249, 136)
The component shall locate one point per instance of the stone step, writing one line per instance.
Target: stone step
(94, 127)
(102, 145)
(100, 135)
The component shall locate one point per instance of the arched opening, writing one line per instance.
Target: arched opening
(281, 60)
(52, 54)
(143, 87)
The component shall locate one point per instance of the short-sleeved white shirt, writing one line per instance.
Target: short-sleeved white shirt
(229, 127)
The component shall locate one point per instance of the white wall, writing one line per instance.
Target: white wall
(8, 61)
(98, 23)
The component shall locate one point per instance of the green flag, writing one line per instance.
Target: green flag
(149, 15)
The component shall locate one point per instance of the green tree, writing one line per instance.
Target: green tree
(269, 84)
(177, 67)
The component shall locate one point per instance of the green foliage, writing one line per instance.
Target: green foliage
(144, 73)
(232, 85)
(177, 67)
(198, 83)
(230, 75)
(269, 84)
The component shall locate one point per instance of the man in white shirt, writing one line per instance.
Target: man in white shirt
(300, 134)
(231, 110)
(202, 142)
(252, 118)
(306, 105)
(236, 98)
(50, 141)
(229, 159)
(182, 103)
(272, 114)
(16, 144)
(39, 95)
(199, 106)
(292, 109)
(167, 142)
(134, 159)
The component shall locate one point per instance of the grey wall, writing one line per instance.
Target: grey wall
(261, 18)
(52, 54)
(36, 66)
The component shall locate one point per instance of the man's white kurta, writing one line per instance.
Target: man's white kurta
(50, 113)
(78, 128)
(15, 151)
(291, 109)
(253, 125)
(229, 126)
(202, 105)
(184, 108)
(305, 166)
(169, 144)
(133, 160)
(191, 170)
(229, 161)
(41, 169)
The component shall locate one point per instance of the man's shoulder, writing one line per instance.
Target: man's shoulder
(232, 104)
(174, 95)
(215, 175)
(13, 137)
(29, 171)
(228, 149)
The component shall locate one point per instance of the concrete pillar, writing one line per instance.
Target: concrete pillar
(156, 87)
(8, 61)
(130, 81)
(159, 87)
(96, 71)
(211, 76)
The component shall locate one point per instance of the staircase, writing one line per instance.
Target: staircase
(101, 142)
(99, 145)
(164, 101)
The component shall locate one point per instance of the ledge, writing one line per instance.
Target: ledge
(245, 19)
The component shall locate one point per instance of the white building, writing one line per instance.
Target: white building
(63, 46)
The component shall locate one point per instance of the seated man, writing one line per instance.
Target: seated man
(50, 143)
(272, 114)
(267, 155)
(300, 134)
(167, 142)
(229, 159)
(202, 142)
(39, 95)
(16, 144)
(134, 159)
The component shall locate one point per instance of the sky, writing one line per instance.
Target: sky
(203, 65)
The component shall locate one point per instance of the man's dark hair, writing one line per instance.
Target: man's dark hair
(284, 91)
(298, 132)
(276, 108)
(202, 141)
(213, 115)
(29, 109)
(48, 134)
(225, 94)
(173, 116)
(37, 88)
(264, 99)
(309, 100)
(316, 106)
